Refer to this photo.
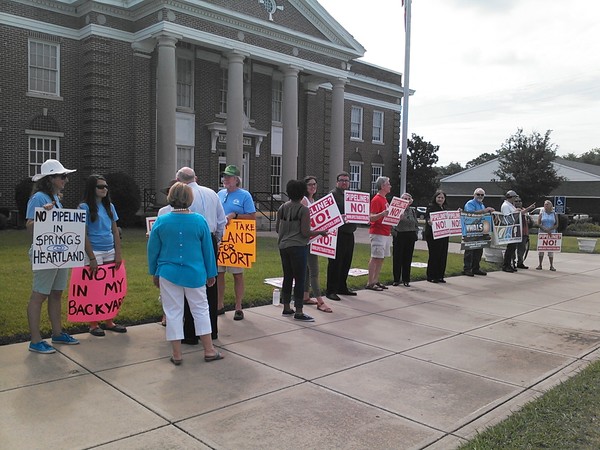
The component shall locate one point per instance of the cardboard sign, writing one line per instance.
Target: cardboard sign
(325, 245)
(507, 228)
(445, 224)
(97, 297)
(357, 206)
(149, 224)
(549, 242)
(476, 231)
(238, 246)
(58, 238)
(325, 215)
(397, 208)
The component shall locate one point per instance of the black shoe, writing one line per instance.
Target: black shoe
(480, 272)
(396, 283)
(238, 315)
(441, 280)
(468, 273)
(348, 292)
(433, 281)
(333, 297)
(190, 341)
(220, 312)
(508, 269)
(214, 336)
(522, 266)
(406, 283)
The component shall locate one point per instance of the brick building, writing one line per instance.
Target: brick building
(147, 86)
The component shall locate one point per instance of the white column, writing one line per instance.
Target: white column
(166, 106)
(336, 156)
(235, 108)
(289, 160)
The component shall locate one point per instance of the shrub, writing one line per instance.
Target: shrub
(3, 221)
(125, 195)
(585, 227)
(22, 193)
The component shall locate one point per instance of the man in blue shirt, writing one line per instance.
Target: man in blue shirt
(472, 257)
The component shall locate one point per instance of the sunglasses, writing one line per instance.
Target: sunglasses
(63, 176)
(102, 186)
(480, 195)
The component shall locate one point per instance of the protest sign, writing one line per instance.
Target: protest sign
(357, 206)
(149, 224)
(397, 207)
(445, 224)
(238, 246)
(507, 228)
(549, 242)
(58, 238)
(325, 215)
(476, 231)
(325, 245)
(99, 296)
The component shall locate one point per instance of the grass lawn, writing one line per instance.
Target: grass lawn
(141, 303)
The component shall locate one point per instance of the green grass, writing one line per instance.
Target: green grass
(141, 304)
(566, 417)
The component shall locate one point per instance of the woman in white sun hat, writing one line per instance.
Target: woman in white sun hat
(47, 283)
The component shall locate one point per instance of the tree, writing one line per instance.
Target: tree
(450, 169)
(591, 157)
(526, 165)
(484, 157)
(421, 176)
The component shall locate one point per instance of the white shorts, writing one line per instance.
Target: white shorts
(101, 257)
(380, 246)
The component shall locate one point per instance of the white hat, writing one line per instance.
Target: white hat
(52, 167)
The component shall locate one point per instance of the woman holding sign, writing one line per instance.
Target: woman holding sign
(103, 242)
(438, 248)
(312, 269)
(405, 235)
(548, 223)
(48, 283)
(182, 262)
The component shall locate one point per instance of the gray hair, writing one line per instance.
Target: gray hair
(479, 191)
(380, 182)
(186, 175)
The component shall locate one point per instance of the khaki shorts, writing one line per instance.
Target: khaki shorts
(233, 270)
(380, 246)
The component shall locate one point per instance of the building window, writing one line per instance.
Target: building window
(277, 103)
(185, 83)
(44, 62)
(355, 173)
(185, 156)
(224, 82)
(40, 149)
(356, 123)
(376, 172)
(378, 126)
(275, 175)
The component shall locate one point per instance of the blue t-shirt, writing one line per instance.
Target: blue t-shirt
(100, 232)
(239, 201)
(473, 205)
(38, 200)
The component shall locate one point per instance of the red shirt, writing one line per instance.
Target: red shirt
(378, 204)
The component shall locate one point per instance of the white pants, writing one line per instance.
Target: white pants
(172, 297)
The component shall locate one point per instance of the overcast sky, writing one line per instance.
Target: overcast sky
(483, 68)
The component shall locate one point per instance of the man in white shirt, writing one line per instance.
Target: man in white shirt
(508, 207)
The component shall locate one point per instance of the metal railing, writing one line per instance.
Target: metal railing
(267, 205)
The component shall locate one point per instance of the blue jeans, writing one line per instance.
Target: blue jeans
(293, 262)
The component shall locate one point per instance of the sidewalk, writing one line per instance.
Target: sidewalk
(407, 368)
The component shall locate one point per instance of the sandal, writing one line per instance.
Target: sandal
(373, 287)
(176, 362)
(97, 331)
(382, 286)
(310, 301)
(116, 328)
(323, 307)
(217, 356)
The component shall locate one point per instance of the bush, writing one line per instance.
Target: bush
(584, 227)
(3, 221)
(22, 193)
(125, 195)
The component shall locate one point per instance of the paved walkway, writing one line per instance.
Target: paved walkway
(407, 368)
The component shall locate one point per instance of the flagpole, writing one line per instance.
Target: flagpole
(404, 141)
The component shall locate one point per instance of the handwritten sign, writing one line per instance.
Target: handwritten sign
(325, 245)
(507, 228)
(397, 207)
(476, 231)
(357, 206)
(238, 246)
(549, 242)
(58, 238)
(325, 215)
(445, 224)
(99, 296)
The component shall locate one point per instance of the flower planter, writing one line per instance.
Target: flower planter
(586, 245)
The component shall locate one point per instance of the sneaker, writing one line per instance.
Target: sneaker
(468, 273)
(480, 272)
(64, 338)
(238, 315)
(41, 347)
(289, 312)
(303, 318)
